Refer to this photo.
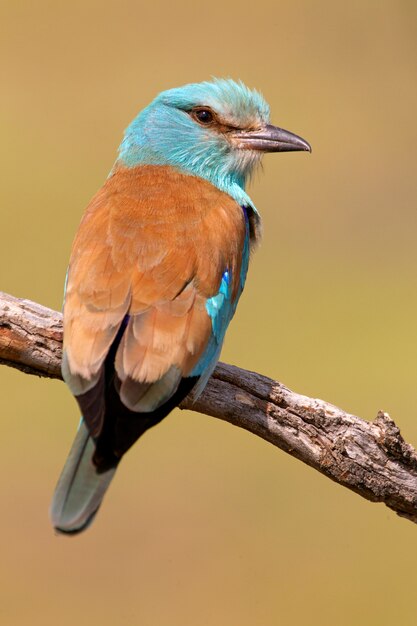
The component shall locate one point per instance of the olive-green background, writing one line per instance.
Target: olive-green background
(205, 524)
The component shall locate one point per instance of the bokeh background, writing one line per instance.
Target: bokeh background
(206, 524)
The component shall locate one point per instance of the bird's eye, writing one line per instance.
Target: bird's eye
(204, 116)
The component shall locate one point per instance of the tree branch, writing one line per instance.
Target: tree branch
(370, 458)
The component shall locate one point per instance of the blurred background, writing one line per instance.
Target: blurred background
(206, 524)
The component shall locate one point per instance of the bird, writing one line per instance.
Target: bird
(156, 270)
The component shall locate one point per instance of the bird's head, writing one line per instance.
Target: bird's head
(218, 130)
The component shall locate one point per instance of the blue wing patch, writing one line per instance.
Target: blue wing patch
(221, 310)
(218, 307)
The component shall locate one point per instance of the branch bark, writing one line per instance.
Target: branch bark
(370, 458)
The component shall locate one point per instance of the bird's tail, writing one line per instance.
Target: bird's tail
(80, 489)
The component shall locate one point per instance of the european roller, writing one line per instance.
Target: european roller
(156, 271)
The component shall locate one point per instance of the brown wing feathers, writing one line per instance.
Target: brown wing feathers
(152, 245)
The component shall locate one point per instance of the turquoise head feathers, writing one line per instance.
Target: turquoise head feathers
(211, 129)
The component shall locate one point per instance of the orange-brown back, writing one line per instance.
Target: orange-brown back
(153, 245)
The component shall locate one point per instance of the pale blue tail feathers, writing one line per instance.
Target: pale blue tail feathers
(80, 489)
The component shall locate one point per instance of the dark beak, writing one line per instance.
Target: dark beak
(271, 139)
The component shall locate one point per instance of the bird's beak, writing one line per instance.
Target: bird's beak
(271, 139)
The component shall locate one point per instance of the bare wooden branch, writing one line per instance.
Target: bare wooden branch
(370, 458)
